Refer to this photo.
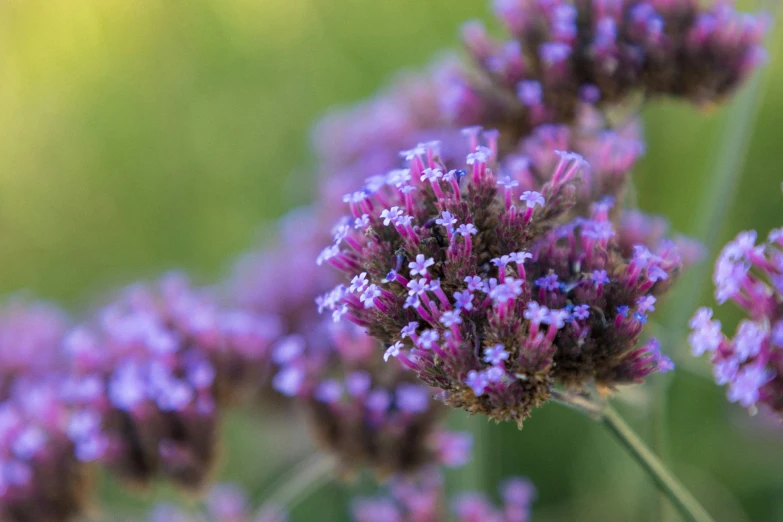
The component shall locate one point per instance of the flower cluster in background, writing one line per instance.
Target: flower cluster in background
(562, 53)
(139, 388)
(36, 455)
(367, 413)
(151, 374)
(416, 498)
(223, 503)
(751, 362)
(423, 499)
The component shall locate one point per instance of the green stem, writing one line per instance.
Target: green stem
(300, 482)
(680, 497)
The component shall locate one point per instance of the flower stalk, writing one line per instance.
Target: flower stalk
(685, 503)
(301, 481)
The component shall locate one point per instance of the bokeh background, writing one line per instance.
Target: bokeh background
(141, 136)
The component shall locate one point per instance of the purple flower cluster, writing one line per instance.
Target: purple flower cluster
(422, 499)
(35, 452)
(563, 53)
(461, 275)
(150, 375)
(224, 503)
(750, 363)
(365, 412)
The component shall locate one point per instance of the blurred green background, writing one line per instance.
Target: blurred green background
(146, 135)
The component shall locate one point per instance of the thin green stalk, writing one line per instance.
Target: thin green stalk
(473, 476)
(685, 503)
(300, 482)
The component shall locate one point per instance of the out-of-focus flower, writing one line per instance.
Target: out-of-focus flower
(224, 503)
(361, 139)
(30, 334)
(751, 362)
(423, 499)
(565, 53)
(150, 376)
(40, 477)
(366, 137)
(610, 154)
(367, 413)
(637, 228)
(280, 278)
(483, 293)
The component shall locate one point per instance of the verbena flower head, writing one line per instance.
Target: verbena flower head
(423, 499)
(564, 53)
(35, 452)
(150, 376)
(223, 503)
(751, 362)
(367, 413)
(475, 285)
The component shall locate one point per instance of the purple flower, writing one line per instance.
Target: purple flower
(420, 265)
(495, 355)
(358, 383)
(536, 313)
(446, 220)
(467, 230)
(474, 283)
(599, 277)
(328, 391)
(288, 381)
(581, 312)
(477, 381)
(529, 93)
(454, 448)
(412, 398)
(359, 283)
(548, 282)
(532, 199)
(393, 350)
(464, 300)
(451, 318)
(391, 215)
